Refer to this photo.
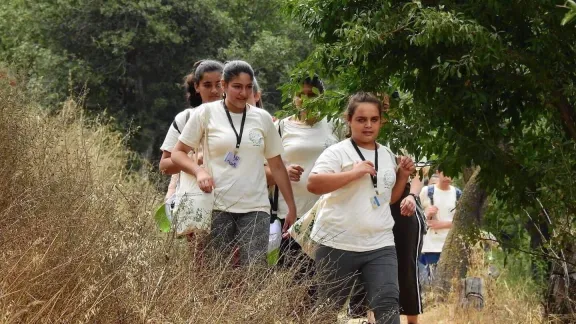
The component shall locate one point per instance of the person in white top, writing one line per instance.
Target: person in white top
(359, 178)
(439, 203)
(303, 139)
(202, 85)
(240, 136)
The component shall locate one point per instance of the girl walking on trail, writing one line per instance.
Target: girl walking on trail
(353, 228)
(409, 229)
(240, 136)
(202, 85)
(304, 139)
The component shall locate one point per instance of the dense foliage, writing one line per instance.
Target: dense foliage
(490, 83)
(133, 55)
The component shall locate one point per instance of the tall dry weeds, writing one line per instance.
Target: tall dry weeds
(78, 244)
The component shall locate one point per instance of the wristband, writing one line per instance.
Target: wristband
(413, 195)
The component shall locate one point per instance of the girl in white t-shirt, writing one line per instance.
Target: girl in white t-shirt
(240, 136)
(202, 85)
(303, 139)
(359, 179)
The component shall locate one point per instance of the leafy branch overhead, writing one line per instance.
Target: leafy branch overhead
(571, 14)
(490, 83)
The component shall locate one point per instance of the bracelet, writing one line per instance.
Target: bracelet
(413, 195)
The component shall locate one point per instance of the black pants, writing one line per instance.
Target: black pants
(376, 270)
(408, 236)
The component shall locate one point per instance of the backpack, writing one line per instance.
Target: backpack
(431, 194)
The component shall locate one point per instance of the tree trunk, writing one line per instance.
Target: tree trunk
(561, 301)
(455, 255)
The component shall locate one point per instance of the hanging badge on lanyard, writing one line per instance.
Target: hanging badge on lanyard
(232, 157)
(375, 200)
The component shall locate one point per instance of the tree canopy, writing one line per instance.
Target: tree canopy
(489, 83)
(132, 55)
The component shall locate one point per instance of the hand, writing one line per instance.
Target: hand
(298, 102)
(288, 221)
(406, 166)
(431, 211)
(205, 181)
(408, 206)
(436, 224)
(294, 172)
(362, 168)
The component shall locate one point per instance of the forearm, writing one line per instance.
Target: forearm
(416, 185)
(446, 224)
(184, 162)
(321, 183)
(167, 166)
(399, 187)
(269, 177)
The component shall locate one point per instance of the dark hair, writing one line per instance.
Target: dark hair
(315, 82)
(255, 90)
(358, 98)
(194, 78)
(362, 97)
(233, 69)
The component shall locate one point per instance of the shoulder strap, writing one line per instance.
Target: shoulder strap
(176, 125)
(458, 194)
(431, 194)
(280, 123)
(276, 191)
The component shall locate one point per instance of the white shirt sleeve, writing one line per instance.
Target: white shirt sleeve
(173, 133)
(192, 133)
(328, 162)
(272, 141)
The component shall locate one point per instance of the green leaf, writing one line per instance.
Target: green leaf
(161, 219)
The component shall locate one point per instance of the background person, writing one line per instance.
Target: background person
(439, 202)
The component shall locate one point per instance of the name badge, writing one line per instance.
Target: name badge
(378, 201)
(232, 159)
(375, 201)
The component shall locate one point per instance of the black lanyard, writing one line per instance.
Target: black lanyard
(238, 136)
(374, 178)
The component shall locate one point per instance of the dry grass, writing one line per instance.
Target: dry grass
(505, 300)
(78, 243)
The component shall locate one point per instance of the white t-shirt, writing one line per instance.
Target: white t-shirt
(241, 189)
(445, 201)
(173, 133)
(303, 144)
(348, 221)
